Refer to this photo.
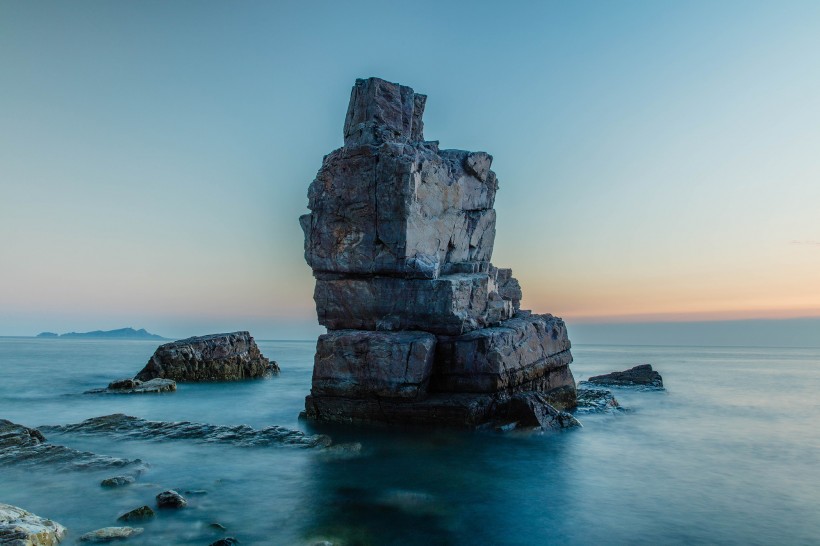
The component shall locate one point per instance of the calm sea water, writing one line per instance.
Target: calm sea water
(729, 454)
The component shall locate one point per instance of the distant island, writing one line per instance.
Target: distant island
(122, 333)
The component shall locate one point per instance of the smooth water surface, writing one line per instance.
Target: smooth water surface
(729, 454)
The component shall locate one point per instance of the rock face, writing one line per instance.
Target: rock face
(642, 375)
(20, 527)
(422, 327)
(217, 357)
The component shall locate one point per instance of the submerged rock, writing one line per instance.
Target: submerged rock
(135, 386)
(592, 400)
(532, 409)
(117, 481)
(216, 357)
(143, 512)
(107, 534)
(423, 329)
(20, 527)
(23, 445)
(227, 541)
(171, 499)
(239, 435)
(642, 375)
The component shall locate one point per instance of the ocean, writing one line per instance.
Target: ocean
(729, 453)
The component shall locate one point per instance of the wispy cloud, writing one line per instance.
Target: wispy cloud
(810, 243)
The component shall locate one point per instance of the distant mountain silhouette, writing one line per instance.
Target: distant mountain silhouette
(122, 333)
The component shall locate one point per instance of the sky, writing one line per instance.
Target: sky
(658, 161)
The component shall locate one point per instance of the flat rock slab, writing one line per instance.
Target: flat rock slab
(217, 357)
(135, 386)
(108, 534)
(449, 305)
(641, 376)
(356, 363)
(20, 527)
(528, 352)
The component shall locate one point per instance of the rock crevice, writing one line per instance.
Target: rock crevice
(422, 328)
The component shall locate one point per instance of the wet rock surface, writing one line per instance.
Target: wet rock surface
(135, 386)
(117, 481)
(21, 445)
(20, 527)
(532, 409)
(639, 376)
(227, 541)
(596, 400)
(171, 499)
(108, 534)
(137, 514)
(423, 329)
(126, 426)
(217, 357)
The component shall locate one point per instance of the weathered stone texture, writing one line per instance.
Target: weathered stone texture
(399, 237)
(373, 364)
(217, 357)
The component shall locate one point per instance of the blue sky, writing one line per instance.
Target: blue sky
(657, 160)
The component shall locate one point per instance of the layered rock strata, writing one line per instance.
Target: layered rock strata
(422, 328)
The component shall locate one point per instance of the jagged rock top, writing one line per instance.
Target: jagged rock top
(380, 111)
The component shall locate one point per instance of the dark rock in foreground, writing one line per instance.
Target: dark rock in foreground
(143, 512)
(239, 435)
(20, 527)
(216, 357)
(532, 409)
(135, 386)
(171, 499)
(642, 375)
(23, 445)
(227, 541)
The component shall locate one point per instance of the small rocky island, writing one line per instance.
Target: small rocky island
(423, 329)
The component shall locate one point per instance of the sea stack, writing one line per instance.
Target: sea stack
(422, 328)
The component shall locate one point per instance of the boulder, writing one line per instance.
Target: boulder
(143, 512)
(117, 481)
(642, 375)
(227, 541)
(591, 400)
(385, 364)
(108, 534)
(20, 527)
(216, 357)
(532, 409)
(171, 499)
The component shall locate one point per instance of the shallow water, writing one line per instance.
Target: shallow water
(729, 454)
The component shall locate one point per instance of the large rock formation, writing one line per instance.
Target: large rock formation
(422, 327)
(217, 357)
(20, 527)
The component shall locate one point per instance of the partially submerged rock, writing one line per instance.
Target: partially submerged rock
(227, 541)
(137, 514)
(216, 357)
(107, 534)
(126, 426)
(642, 375)
(20, 527)
(135, 386)
(117, 481)
(171, 499)
(28, 446)
(532, 409)
(592, 400)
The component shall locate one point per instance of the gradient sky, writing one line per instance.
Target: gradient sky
(657, 160)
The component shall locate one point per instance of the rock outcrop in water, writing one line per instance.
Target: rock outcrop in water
(216, 357)
(28, 446)
(135, 386)
(422, 327)
(640, 376)
(20, 527)
(126, 426)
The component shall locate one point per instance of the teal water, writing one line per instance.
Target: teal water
(729, 454)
